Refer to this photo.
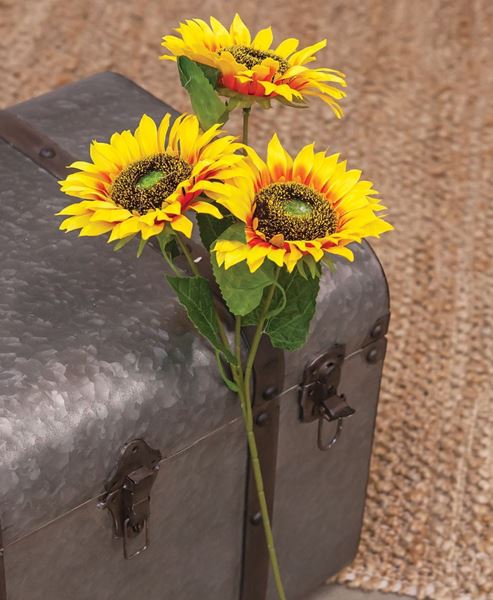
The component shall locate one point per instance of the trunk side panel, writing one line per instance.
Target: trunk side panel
(196, 530)
(320, 496)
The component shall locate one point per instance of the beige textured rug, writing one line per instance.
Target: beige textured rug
(420, 123)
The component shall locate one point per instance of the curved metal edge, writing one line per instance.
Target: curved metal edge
(42, 150)
(382, 270)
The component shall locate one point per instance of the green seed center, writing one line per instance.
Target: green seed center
(297, 208)
(248, 56)
(145, 184)
(149, 180)
(295, 211)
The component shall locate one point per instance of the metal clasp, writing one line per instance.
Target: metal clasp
(319, 398)
(128, 496)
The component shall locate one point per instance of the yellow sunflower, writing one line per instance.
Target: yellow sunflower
(293, 209)
(253, 68)
(142, 182)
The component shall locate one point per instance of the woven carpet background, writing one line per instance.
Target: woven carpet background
(419, 121)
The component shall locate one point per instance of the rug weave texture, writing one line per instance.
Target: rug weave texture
(419, 122)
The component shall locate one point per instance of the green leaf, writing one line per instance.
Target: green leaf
(123, 242)
(195, 295)
(211, 228)
(312, 265)
(167, 243)
(164, 238)
(140, 249)
(301, 269)
(211, 73)
(289, 329)
(278, 304)
(242, 291)
(330, 264)
(205, 100)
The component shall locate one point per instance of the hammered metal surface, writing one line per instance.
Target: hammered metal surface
(94, 349)
(320, 496)
(350, 301)
(196, 532)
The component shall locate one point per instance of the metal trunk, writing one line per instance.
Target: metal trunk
(96, 353)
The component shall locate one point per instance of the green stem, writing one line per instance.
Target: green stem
(258, 335)
(232, 385)
(246, 115)
(188, 256)
(171, 263)
(246, 406)
(238, 346)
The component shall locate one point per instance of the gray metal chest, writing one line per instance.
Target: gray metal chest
(95, 352)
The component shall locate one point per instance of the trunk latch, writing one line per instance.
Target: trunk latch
(319, 398)
(128, 496)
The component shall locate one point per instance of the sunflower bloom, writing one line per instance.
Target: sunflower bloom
(296, 208)
(143, 182)
(252, 68)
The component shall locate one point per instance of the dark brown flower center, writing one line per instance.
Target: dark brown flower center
(250, 57)
(295, 211)
(144, 185)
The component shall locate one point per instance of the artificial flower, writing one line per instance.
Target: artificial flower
(252, 68)
(298, 208)
(146, 181)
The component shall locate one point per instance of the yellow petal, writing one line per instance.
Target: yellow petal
(104, 157)
(187, 136)
(303, 163)
(306, 54)
(133, 147)
(149, 218)
(222, 34)
(228, 245)
(117, 142)
(287, 47)
(344, 184)
(376, 227)
(317, 253)
(111, 216)
(149, 231)
(256, 257)
(292, 257)
(92, 229)
(206, 208)
(173, 208)
(75, 222)
(125, 229)
(162, 131)
(341, 251)
(235, 256)
(239, 32)
(85, 206)
(146, 136)
(277, 159)
(183, 225)
(263, 39)
(277, 256)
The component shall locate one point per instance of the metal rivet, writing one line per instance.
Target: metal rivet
(256, 519)
(270, 392)
(262, 418)
(377, 330)
(372, 356)
(47, 152)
